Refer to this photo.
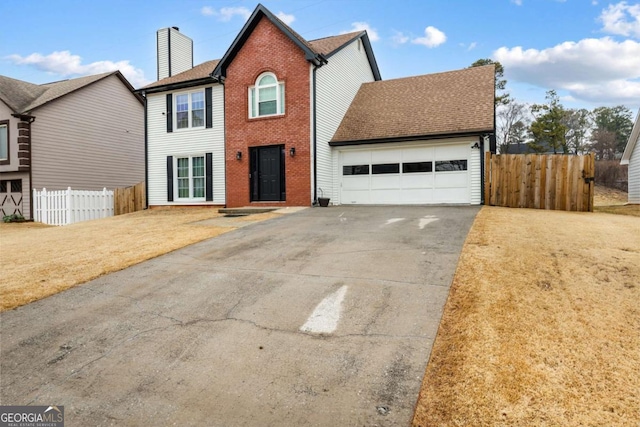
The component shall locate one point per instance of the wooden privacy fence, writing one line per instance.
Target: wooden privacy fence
(68, 206)
(540, 181)
(130, 199)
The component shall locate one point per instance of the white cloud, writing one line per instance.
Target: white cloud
(65, 64)
(598, 70)
(207, 11)
(225, 14)
(517, 2)
(399, 38)
(472, 45)
(363, 26)
(287, 19)
(433, 37)
(621, 19)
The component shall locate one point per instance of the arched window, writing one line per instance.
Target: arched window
(266, 98)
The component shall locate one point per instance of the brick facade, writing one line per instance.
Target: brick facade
(268, 49)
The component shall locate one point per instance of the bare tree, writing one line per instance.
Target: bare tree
(604, 144)
(512, 122)
(578, 124)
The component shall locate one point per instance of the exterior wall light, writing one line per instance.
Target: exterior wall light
(292, 151)
(239, 155)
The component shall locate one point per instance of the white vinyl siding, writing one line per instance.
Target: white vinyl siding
(634, 174)
(184, 144)
(180, 50)
(416, 172)
(337, 83)
(89, 139)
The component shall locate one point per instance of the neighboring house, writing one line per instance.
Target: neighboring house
(280, 120)
(631, 157)
(526, 148)
(85, 133)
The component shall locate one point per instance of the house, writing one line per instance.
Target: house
(631, 157)
(86, 133)
(280, 120)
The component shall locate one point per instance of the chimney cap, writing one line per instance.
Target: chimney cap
(176, 28)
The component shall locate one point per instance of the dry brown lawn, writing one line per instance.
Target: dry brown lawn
(39, 260)
(542, 325)
(613, 201)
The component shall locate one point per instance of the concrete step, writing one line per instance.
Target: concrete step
(248, 210)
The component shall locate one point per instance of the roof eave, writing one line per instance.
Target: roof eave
(631, 143)
(406, 138)
(178, 85)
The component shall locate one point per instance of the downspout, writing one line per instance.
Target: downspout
(146, 155)
(315, 140)
(481, 137)
(316, 64)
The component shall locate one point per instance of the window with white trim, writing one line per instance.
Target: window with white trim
(190, 177)
(4, 141)
(189, 110)
(266, 98)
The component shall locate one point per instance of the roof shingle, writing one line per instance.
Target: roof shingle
(200, 71)
(23, 97)
(452, 102)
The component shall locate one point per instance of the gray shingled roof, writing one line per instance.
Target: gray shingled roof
(23, 97)
(446, 103)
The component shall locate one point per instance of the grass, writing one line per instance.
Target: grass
(542, 325)
(613, 201)
(38, 260)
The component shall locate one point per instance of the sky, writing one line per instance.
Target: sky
(586, 50)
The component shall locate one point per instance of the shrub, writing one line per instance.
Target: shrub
(610, 173)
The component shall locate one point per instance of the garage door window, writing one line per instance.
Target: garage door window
(385, 168)
(451, 165)
(355, 170)
(417, 167)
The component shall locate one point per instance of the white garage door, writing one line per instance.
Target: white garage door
(409, 175)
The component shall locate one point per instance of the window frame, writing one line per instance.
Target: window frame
(190, 177)
(253, 96)
(5, 124)
(190, 110)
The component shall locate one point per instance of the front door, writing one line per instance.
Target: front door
(267, 173)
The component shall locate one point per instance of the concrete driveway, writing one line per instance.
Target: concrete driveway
(323, 317)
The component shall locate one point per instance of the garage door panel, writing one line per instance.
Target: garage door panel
(451, 195)
(453, 152)
(379, 182)
(417, 154)
(356, 158)
(355, 197)
(452, 179)
(417, 180)
(355, 183)
(386, 156)
(417, 196)
(390, 196)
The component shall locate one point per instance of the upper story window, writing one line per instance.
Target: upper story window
(266, 98)
(4, 141)
(189, 110)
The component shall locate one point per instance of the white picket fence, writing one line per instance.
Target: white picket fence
(69, 206)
